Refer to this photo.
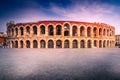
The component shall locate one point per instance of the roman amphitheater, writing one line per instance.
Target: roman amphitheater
(60, 34)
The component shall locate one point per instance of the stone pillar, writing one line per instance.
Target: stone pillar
(85, 43)
(38, 31)
(54, 29)
(38, 41)
(78, 31)
(46, 31)
(31, 44)
(54, 43)
(62, 31)
(46, 44)
(63, 44)
(85, 32)
(70, 30)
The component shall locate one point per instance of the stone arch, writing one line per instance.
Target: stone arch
(75, 44)
(27, 44)
(42, 29)
(35, 30)
(94, 31)
(16, 44)
(100, 44)
(104, 44)
(16, 31)
(100, 31)
(21, 31)
(21, 44)
(74, 31)
(50, 44)
(50, 30)
(58, 44)
(89, 31)
(95, 43)
(82, 31)
(66, 29)
(35, 44)
(58, 30)
(82, 44)
(66, 44)
(42, 44)
(28, 30)
(89, 42)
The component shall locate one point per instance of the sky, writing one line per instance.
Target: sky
(21, 11)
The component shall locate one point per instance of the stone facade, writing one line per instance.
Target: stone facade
(60, 34)
(117, 40)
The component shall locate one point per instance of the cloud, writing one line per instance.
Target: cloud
(92, 12)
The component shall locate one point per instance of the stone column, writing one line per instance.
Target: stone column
(70, 30)
(85, 43)
(38, 31)
(46, 31)
(62, 43)
(85, 32)
(46, 45)
(54, 43)
(78, 31)
(54, 31)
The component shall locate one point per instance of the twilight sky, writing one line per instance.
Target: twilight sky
(104, 11)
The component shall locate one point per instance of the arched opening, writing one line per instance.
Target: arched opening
(108, 43)
(50, 44)
(107, 32)
(74, 31)
(27, 44)
(12, 44)
(89, 44)
(21, 44)
(12, 32)
(66, 44)
(82, 31)
(82, 44)
(104, 44)
(50, 30)
(58, 44)
(95, 43)
(89, 32)
(100, 32)
(100, 44)
(16, 44)
(21, 31)
(42, 44)
(34, 30)
(66, 30)
(42, 29)
(16, 31)
(28, 30)
(104, 32)
(75, 44)
(95, 31)
(35, 44)
(58, 30)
